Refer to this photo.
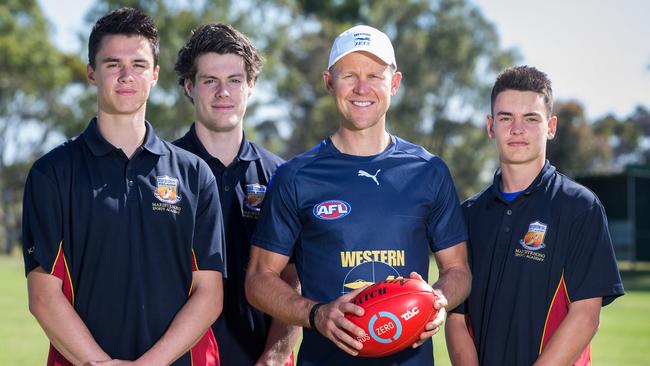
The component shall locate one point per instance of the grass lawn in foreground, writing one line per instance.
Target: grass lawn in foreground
(22, 342)
(624, 335)
(623, 338)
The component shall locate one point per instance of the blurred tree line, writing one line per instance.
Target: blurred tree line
(448, 52)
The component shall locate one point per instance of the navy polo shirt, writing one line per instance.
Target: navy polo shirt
(530, 258)
(357, 220)
(241, 330)
(124, 235)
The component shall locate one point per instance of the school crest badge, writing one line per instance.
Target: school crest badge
(167, 189)
(253, 201)
(534, 238)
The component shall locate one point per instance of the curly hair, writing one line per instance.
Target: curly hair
(221, 39)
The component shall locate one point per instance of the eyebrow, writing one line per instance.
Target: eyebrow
(208, 76)
(116, 59)
(529, 114)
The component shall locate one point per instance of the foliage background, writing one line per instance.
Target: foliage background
(448, 52)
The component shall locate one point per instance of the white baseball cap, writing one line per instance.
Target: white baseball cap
(363, 38)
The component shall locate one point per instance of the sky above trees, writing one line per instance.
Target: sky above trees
(595, 52)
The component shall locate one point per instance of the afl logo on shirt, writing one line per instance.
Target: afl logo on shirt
(167, 189)
(534, 238)
(332, 210)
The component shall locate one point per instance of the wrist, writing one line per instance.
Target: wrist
(312, 315)
(269, 358)
(152, 358)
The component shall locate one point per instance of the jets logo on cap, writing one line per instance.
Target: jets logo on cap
(361, 39)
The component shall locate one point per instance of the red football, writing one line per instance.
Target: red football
(396, 312)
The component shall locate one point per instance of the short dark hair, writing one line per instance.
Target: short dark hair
(221, 39)
(524, 78)
(126, 21)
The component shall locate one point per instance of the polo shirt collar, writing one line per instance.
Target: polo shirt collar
(246, 151)
(541, 181)
(95, 141)
(152, 142)
(99, 146)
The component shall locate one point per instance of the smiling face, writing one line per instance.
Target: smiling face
(520, 127)
(220, 91)
(124, 74)
(362, 86)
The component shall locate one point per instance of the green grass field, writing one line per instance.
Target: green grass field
(22, 342)
(623, 338)
(624, 335)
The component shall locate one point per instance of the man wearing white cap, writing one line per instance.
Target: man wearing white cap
(361, 207)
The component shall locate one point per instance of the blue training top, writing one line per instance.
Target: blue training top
(355, 220)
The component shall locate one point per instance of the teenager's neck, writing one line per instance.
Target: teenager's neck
(126, 132)
(223, 145)
(518, 177)
(361, 143)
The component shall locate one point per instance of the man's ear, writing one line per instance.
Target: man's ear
(251, 87)
(395, 82)
(489, 125)
(188, 85)
(156, 71)
(552, 127)
(328, 80)
(90, 75)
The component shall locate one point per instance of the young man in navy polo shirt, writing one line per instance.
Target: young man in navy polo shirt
(540, 251)
(217, 68)
(361, 207)
(122, 231)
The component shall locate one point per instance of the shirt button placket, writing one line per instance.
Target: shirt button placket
(508, 220)
(130, 181)
(226, 181)
(505, 235)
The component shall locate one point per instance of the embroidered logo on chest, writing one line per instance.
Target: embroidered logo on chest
(167, 189)
(253, 201)
(532, 242)
(534, 238)
(167, 193)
